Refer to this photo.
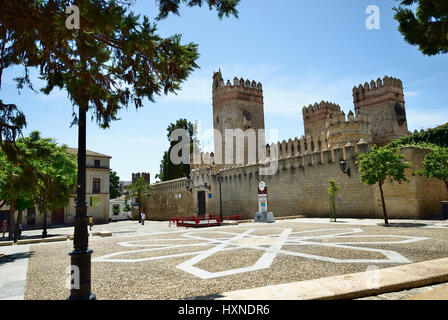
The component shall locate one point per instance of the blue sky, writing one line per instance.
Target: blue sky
(301, 51)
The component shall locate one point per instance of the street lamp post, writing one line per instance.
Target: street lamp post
(219, 177)
(81, 255)
(44, 226)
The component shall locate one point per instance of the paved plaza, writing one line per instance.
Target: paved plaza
(155, 261)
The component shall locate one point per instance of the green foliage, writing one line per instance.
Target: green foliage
(139, 190)
(57, 172)
(224, 7)
(333, 189)
(12, 121)
(127, 207)
(115, 59)
(436, 136)
(114, 185)
(116, 208)
(427, 27)
(40, 173)
(435, 165)
(168, 170)
(381, 164)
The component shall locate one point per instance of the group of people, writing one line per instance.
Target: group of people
(5, 229)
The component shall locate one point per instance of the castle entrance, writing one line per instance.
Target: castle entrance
(201, 203)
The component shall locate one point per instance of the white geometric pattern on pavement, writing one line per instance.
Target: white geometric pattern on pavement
(271, 245)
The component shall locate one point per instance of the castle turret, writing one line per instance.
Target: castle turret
(352, 129)
(315, 117)
(383, 102)
(144, 175)
(237, 105)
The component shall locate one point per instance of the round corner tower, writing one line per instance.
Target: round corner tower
(383, 102)
(237, 105)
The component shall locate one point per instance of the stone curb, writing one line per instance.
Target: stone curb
(276, 219)
(351, 286)
(55, 239)
(435, 294)
(29, 241)
(6, 243)
(44, 240)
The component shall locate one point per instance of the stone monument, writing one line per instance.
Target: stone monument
(263, 215)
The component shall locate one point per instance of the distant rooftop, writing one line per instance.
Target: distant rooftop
(89, 153)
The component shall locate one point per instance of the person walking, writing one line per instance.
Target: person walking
(91, 223)
(4, 227)
(142, 218)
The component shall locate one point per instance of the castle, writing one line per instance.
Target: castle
(298, 186)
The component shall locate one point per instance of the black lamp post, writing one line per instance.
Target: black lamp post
(81, 255)
(188, 185)
(344, 168)
(219, 177)
(44, 226)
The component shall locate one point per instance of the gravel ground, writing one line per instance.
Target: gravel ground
(160, 279)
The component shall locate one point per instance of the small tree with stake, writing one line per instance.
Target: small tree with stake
(378, 166)
(333, 189)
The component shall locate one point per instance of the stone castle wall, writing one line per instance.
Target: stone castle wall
(171, 199)
(305, 165)
(300, 188)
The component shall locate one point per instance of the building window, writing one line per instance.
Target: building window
(97, 163)
(217, 119)
(96, 185)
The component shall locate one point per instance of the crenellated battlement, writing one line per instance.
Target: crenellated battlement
(383, 102)
(288, 161)
(176, 185)
(297, 146)
(379, 84)
(314, 116)
(146, 176)
(345, 120)
(350, 128)
(237, 85)
(388, 88)
(322, 107)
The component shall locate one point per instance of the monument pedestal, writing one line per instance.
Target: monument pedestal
(266, 217)
(263, 215)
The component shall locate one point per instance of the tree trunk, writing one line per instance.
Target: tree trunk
(11, 232)
(11, 222)
(19, 221)
(386, 221)
(446, 184)
(139, 200)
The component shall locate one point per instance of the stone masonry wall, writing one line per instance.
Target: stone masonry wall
(300, 188)
(171, 199)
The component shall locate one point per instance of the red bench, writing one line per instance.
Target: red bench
(235, 217)
(195, 222)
